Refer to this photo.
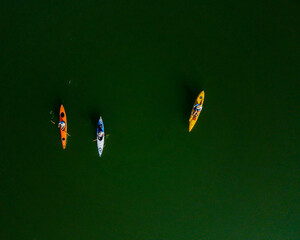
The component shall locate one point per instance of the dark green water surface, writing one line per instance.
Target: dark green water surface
(140, 65)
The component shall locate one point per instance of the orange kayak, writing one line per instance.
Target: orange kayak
(63, 133)
(194, 115)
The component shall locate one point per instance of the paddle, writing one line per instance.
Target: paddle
(65, 131)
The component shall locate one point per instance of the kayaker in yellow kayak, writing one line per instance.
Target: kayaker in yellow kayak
(197, 110)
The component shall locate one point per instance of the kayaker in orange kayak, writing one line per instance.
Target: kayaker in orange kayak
(62, 124)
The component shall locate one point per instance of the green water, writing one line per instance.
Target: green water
(140, 65)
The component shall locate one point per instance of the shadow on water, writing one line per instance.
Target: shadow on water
(54, 109)
(94, 118)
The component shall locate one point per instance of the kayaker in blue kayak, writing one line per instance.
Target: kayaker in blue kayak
(100, 128)
(100, 132)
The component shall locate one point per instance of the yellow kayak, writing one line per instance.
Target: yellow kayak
(196, 110)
